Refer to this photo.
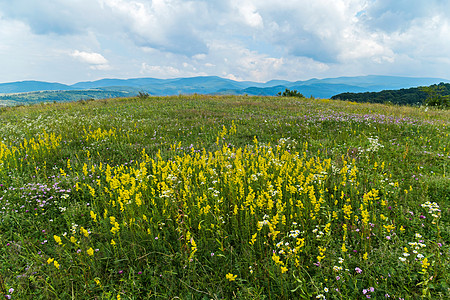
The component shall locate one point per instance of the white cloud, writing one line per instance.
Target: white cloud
(248, 39)
(90, 57)
(95, 60)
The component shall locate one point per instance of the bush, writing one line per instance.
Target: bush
(289, 93)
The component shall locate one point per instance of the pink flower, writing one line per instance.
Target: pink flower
(358, 270)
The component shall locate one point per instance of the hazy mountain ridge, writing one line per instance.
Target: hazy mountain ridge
(104, 88)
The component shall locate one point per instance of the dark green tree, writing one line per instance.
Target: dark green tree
(289, 93)
(436, 95)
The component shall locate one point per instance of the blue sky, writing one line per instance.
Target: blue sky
(78, 40)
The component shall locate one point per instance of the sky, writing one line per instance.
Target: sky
(68, 41)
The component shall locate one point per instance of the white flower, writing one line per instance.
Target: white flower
(402, 258)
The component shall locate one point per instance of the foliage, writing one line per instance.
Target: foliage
(438, 95)
(289, 93)
(210, 197)
(58, 96)
(143, 95)
(432, 96)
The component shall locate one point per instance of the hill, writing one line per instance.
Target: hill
(411, 96)
(224, 197)
(319, 88)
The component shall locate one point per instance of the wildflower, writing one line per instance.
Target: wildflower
(113, 243)
(284, 269)
(57, 239)
(425, 264)
(358, 270)
(365, 256)
(402, 259)
(90, 251)
(230, 277)
(337, 268)
(325, 290)
(50, 260)
(94, 216)
(84, 232)
(73, 239)
(56, 264)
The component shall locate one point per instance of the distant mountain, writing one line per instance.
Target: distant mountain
(319, 88)
(32, 86)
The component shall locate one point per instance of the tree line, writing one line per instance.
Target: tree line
(437, 95)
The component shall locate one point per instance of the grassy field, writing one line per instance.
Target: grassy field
(204, 197)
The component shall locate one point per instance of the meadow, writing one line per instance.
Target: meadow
(224, 197)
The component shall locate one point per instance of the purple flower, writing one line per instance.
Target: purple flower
(120, 271)
(364, 291)
(371, 289)
(388, 237)
(140, 272)
(358, 270)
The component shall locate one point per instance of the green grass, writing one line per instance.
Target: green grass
(204, 197)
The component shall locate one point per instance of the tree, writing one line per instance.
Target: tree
(435, 95)
(289, 93)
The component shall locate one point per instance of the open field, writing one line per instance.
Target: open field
(204, 197)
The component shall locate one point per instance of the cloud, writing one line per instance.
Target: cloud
(58, 17)
(248, 39)
(95, 60)
(172, 26)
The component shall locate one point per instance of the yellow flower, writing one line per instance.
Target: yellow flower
(94, 216)
(113, 242)
(84, 232)
(283, 269)
(50, 260)
(230, 277)
(56, 264)
(365, 256)
(425, 264)
(252, 241)
(57, 239)
(90, 251)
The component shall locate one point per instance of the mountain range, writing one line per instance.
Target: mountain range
(319, 88)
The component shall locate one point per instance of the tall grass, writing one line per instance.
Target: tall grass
(209, 197)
